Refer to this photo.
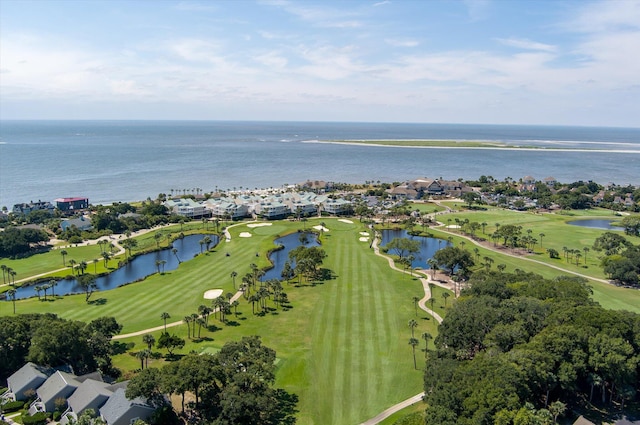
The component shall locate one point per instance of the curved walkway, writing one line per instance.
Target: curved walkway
(427, 294)
(169, 325)
(475, 242)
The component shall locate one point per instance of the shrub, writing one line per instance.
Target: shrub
(57, 415)
(39, 418)
(12, 406)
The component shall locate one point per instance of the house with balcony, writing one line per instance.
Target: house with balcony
(186, 207)
(69, 205)
(26, 380)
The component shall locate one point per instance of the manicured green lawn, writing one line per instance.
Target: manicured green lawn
(343, 346)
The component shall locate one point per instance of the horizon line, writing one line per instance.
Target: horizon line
(306, 121)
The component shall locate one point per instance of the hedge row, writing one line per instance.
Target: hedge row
(39, 418)
(12, 406)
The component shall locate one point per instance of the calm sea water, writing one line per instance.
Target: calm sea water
(110, 161)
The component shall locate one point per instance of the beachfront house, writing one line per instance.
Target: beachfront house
(26, 208)
(337, 206)
(226, 208)
(186, 207)
(272, 209)
(72, 204)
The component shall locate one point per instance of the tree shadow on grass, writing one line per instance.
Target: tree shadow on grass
(232, 323)
(99, 301)
(213, 328)
(118, 347)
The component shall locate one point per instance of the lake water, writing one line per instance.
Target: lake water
(428, 246)
(138, 268)
(281, 256)
(109, 161)
(596, 224)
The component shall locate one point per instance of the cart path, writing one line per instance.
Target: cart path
(170, 325)
(427, 294)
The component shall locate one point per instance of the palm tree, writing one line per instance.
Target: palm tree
(64, 254)
(187, 320)
(106, 256)
(433, 264)
(426, 336)
(541, 235)
(174, 251)
(143, 355)
(158, 263)
(38, 289)
(82, 266)
(431, 301)
(4, 271)
(200, 321)
(415, 304)
(158, 237)
(207, 242)
(233, 278)
(414, 343)
(149, 340)
(586, 250)
(412, 324)
(501, 267)
(164, 316)
(484, 225)
(95, 265)
(445, 295)
(72, 264)
(11, 293)
(52, 285)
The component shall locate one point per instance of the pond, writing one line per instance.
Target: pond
(281, 256)
(138, 268)
(428, 246)
(596, 223)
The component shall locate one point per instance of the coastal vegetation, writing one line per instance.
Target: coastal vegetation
(338, 319)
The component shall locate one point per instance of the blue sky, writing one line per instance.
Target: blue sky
(472, 61)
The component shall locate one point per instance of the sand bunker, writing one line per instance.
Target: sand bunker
(324, 229)
(245, 235)
(212, 294)
(453, 226)
(344, 220)
(364, 239)
(259, 224)
(364, 233)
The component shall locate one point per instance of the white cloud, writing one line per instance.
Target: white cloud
(401, 42)
(521, 43)
(621, 15)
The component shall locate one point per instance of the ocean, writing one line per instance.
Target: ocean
(110, 161)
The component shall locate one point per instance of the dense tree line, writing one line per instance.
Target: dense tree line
(517, 348)
(233, 386)
(15, 241)
(621, 261)
(48, 340)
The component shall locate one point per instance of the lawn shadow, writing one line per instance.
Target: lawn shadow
(99, 301)
(232, 323)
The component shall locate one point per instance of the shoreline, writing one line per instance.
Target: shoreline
(489, 146)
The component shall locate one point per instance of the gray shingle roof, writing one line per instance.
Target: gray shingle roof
(91, 394)
(120, 410)
(28, 377)
(58, 385)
